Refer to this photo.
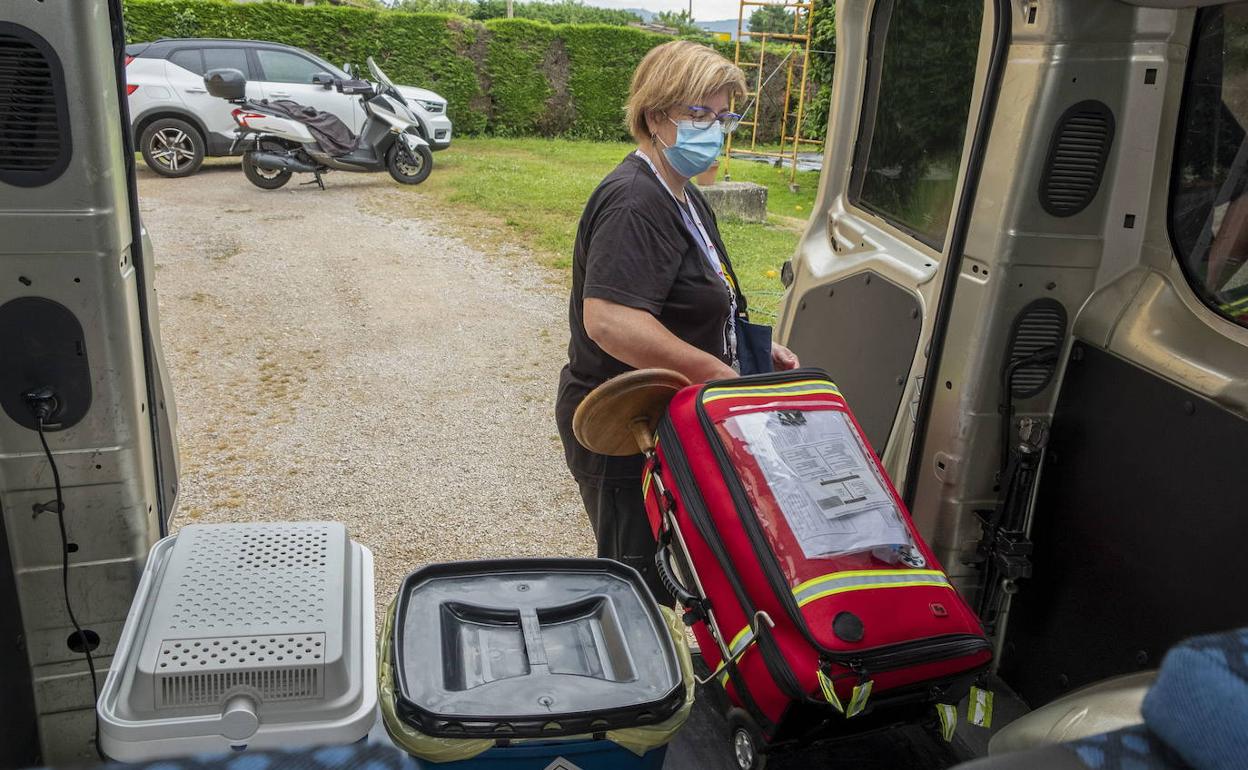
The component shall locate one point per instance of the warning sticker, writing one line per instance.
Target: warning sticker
(829, 490)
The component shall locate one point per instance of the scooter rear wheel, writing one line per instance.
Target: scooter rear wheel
(406, 168)
(264, 178)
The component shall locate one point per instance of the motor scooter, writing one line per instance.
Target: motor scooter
(283, 137)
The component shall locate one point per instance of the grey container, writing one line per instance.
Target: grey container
(531, 648)
(240, 636)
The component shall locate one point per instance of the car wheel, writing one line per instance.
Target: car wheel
(172, 147)
(406, 167)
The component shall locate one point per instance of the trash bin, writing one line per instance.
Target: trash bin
(244, 636)
(533, 663)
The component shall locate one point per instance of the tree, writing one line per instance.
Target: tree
(772, 18)
(680, 21)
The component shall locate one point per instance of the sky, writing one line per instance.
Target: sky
(703, 10)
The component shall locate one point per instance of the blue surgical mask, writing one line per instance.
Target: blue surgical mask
(696, 148)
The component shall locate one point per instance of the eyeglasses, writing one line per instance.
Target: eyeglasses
(705, 117)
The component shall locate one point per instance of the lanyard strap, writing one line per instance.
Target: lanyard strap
(693, 223)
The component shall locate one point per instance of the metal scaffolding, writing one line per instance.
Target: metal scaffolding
(796, 63)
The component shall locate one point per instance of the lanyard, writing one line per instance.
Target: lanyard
(693, 223)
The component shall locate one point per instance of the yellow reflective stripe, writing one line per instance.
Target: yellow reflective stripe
(780, 386)
(802, 602)
(739, 642)
(775, 386)
(855, 573)
(750, 393)
(863, 580)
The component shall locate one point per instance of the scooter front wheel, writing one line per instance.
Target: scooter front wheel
(408, 167)
(264, 178)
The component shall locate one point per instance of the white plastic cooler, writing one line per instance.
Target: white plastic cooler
(253, 636)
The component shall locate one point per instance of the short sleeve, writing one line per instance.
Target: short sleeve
(628, 261)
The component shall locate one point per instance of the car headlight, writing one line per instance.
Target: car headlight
(434, 107)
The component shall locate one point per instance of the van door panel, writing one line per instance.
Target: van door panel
(870, 369)
(872, 337)
(71, 237)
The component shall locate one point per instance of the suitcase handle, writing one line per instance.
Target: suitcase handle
(667, 575)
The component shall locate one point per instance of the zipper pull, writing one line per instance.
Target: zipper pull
(828, 689)
(862, 691)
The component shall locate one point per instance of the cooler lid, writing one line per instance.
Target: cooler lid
(532, 647)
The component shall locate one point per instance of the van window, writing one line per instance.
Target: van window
(909, 149)
(1208, 200)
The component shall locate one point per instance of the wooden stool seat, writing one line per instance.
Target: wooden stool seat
(619, 416)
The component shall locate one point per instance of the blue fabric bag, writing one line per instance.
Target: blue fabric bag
(753, 347)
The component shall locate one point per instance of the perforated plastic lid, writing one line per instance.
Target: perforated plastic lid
(531, 647)
(244, 635)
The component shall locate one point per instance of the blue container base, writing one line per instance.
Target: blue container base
(546, 755)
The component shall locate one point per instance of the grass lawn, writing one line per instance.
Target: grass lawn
(532, 191)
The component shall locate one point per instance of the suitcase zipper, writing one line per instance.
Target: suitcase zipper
(912, 653)
(882, 658)
(696, 506)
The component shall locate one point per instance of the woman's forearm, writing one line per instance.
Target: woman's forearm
(639, 340)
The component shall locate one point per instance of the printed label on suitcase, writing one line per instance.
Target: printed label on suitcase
(823, 481)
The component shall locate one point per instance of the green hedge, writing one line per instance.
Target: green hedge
(520, 78)
(504, 76)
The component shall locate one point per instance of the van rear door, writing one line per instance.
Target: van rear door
(78, 317)
(867, 275)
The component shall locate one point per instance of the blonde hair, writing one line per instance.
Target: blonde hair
(677, 73)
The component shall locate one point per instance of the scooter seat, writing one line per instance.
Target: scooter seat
(331, 134)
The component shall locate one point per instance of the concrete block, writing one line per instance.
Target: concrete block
(746, 201)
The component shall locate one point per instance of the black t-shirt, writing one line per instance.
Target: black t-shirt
(633, 248)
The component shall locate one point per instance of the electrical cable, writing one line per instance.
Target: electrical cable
(82, 637)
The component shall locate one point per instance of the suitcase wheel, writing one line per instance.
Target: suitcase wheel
(747, 741)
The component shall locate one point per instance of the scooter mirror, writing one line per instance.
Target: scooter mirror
(324, 80)
(347, 68)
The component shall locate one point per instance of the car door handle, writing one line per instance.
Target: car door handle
(279, 93)
(197, 90)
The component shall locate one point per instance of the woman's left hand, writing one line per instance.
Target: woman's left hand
(782, 358)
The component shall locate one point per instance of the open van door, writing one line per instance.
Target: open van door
(910, 106)
(80, 348)
(1027, 274)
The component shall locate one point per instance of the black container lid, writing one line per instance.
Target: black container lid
(527, 648)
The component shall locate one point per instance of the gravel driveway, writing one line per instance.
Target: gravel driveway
(337, 355)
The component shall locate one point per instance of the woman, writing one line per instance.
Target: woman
(651, 282)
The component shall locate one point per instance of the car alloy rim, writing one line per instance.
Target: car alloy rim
(744, 748)
(173, 148)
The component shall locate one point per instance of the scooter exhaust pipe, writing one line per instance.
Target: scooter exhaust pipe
(274, 162)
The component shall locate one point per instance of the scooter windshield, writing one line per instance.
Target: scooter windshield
(378, 75)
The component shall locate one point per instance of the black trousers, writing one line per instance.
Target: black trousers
(618, 515)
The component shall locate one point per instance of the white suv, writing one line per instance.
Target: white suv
(176, 123)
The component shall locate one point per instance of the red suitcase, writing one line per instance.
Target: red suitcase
(809, 588)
